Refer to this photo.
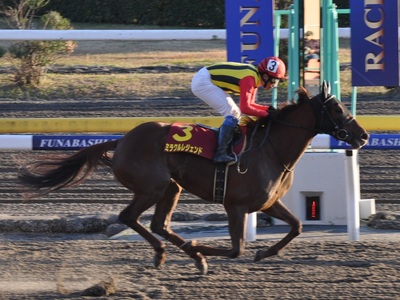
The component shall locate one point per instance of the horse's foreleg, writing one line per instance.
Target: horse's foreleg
(130, 217)
(237, 218)
(161, 221)
(280, 211)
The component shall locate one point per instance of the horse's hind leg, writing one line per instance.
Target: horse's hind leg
(130, 217)
(280, 211)
(237, 217)
(161, 222)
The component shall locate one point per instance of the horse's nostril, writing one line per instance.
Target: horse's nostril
(365, 136)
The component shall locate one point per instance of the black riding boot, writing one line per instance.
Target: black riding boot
(224, 138)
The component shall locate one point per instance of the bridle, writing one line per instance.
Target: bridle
(323, 113)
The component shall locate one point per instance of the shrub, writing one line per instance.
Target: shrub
(31, 59)
(2, 52)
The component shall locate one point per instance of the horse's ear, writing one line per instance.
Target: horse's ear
(326, 88)
(302, 94)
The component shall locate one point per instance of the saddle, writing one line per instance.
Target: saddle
(202, 140)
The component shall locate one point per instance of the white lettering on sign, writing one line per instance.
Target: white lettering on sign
(69, 143)
(384, 142)
(375, 60)
(375, 142)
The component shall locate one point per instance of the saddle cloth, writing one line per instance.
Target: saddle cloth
(198, 140)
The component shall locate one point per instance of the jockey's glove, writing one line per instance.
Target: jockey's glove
(272, 112)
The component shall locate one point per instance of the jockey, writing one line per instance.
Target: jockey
(214, 83)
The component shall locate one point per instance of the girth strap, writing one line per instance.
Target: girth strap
(220, 176)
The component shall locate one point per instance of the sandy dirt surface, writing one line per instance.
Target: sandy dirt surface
(62, 266)
(307, 270)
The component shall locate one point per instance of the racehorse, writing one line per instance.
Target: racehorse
(157, 177)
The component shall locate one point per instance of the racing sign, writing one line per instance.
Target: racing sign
(375, 42)
(69, 142)
(249, 30)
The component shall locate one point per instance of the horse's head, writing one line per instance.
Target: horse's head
(335, 119)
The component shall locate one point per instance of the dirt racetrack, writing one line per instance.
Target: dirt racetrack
(63, 266)
(307, 270)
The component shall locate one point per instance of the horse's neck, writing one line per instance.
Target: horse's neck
(291, 141)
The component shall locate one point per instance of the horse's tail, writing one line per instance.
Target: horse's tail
(44, 177)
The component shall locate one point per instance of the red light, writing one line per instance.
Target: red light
(313, 209)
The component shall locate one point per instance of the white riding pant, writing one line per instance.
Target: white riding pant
(214, 96)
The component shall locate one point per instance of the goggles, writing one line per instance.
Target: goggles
(274, 81)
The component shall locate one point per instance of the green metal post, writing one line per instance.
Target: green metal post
(335, 64)
(325, 70)
(354, 88)
(330, 68)
(277, 37)
(353, 101)
(294, 36)
(278, 17)
(330, 47)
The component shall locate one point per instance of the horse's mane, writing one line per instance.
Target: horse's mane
(289, 106)
(285, 108)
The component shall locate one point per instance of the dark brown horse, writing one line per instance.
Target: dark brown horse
(157, 178)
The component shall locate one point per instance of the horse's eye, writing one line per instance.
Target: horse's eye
(338, 108)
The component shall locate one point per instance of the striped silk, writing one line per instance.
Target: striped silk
(228, 75)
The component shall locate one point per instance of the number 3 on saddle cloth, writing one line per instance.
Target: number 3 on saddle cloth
(200, 139)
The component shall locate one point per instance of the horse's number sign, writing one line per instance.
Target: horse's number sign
(187, 131)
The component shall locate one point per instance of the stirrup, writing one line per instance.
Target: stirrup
(225, 159)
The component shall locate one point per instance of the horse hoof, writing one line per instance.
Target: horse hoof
(264, 254)
(202, 266)
(259, 255)
(159, 260)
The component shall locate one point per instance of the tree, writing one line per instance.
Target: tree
(31, 59)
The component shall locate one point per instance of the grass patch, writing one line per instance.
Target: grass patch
(105, 86)
(134, 54)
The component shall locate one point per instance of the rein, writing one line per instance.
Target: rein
(266, 136)
(251, 144)
(297, 126)
(338, 131)
(287, 169)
